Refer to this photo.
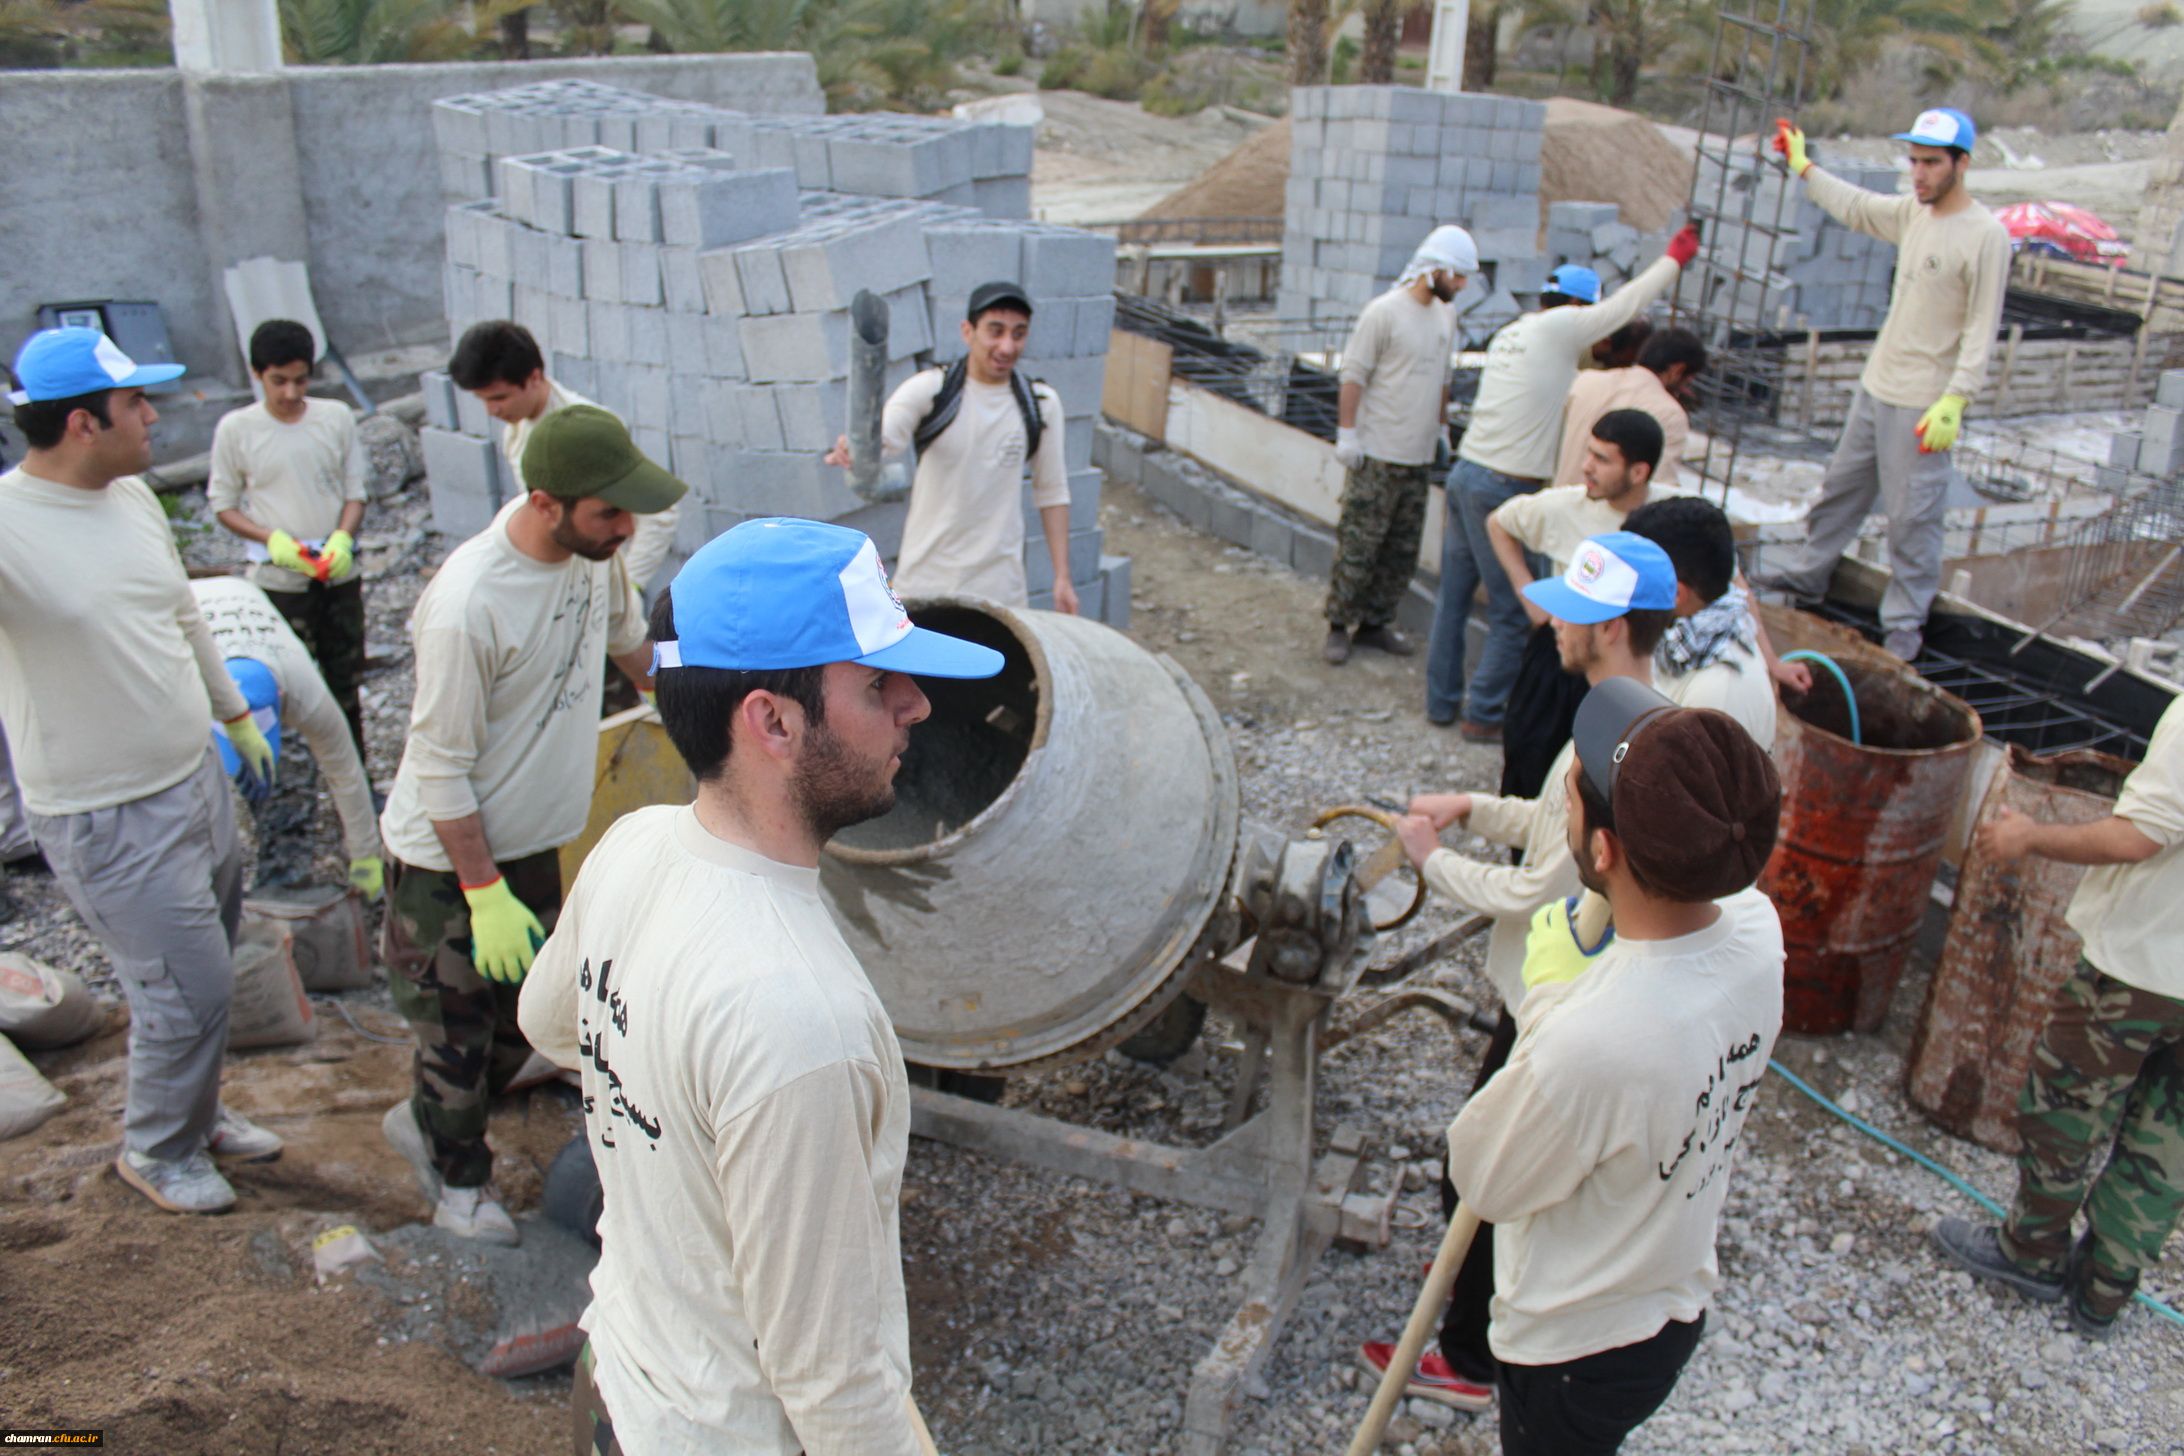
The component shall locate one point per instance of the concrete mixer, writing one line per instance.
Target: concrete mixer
(1066, 865)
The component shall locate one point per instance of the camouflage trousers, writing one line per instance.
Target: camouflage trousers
(1376, 542)
(469, 1047)
(330, 620)
(2106, 1084)
(591, 1428)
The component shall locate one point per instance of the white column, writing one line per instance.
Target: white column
(226, 35)
(1444, 51)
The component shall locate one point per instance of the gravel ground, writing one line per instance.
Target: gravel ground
(1050, 1314)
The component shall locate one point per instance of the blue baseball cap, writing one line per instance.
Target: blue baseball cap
(63, 363)
(263, 693)
(1574, 280)
(782, 593)
(1608, 576)
(1941, 126)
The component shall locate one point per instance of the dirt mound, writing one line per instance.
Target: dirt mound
(1248, 182)
(1595, 153)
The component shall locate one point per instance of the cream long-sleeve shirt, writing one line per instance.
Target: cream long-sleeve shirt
(505, 723)
(109, 680)
(1510, 893)
(645, 550)
(1602, 1152)
(1398, 356)
(294, 477)
(1554, 522)
(245, 624)
(965, 531)
(746, 1104)
(2132, 915)
(1516, 421)
(1951, 274)
(1599, 392)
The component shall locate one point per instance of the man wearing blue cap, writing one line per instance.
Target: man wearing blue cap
(108, 679)
(283, 684)
(509, 639)
(1952, 269)
(743, 1087)
(1610, 609)
(1509, 449)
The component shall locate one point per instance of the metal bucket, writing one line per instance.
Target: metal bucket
(1863, 825)
(1062, 834)
(2008, 950)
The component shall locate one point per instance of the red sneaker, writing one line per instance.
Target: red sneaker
(1432, 1380)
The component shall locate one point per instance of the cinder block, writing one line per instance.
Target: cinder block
(1115, 588)
(641, 282)
(1079, 382)
(602, 270)
(686, 353)
(812, 416)
(1271, 535)
(826, 266)
(2169, 392)
(712, 209)
(609, 331)
(960, 257)
(565, 266)
(1002, 197)
(591, 203)
(647, 335)
(682, 284)
(462, 476)
(1312, 552)
(2123, 448)
(764, 287)
(757, 415)
(724, 348)
(650, 404)
(2161, 448)
(471, 418)
(1064, 263)
(439, 392)
(796, 347)
(914, 166)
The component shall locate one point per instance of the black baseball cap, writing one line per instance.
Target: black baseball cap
(998, 294)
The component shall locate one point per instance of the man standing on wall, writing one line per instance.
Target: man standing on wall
(2106, 1084)
(977, 424)
(1952, 269)
(1390, 419)
(497, 775)
(1509, 449)
(500, 363)
(743, 1085)
(109, 684)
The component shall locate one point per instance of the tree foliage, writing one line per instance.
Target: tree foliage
(366, 32)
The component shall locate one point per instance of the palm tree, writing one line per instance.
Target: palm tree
(365, 32)
(1383, 28)
(1307, 42)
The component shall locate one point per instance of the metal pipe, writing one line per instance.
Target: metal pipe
(869, 475)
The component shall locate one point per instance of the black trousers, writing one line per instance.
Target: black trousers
(1542, 710)
(1470, 1302)
(330, 620)
(1586, 1407)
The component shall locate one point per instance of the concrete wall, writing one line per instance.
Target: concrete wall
(109, 206)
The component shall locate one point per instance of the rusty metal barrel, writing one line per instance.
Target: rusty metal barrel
(1863, 824)
(2007, 952)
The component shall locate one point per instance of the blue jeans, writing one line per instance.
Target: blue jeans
(1467, 560)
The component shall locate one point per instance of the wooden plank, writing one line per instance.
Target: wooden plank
(2009, 366)
(1135, 391)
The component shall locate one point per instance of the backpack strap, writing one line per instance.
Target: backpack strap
(945, 405)
(1027, 405)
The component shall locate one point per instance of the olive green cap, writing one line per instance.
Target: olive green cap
(583, 450)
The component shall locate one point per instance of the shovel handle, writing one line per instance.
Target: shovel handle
(1439, 1280)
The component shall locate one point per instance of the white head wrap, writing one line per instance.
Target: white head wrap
(1447, 247)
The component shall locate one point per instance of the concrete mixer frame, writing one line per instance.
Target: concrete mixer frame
(1262, 1165)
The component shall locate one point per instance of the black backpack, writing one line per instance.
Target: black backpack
(949, 402)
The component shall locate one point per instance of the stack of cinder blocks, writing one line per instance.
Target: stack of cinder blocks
(1594, 234)
(1374, 169)
(706, 302)
(2156, 448)
(1824, 275)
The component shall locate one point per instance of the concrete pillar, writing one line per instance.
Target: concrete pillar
(249, 178)
(226, 35)
(1445, 48)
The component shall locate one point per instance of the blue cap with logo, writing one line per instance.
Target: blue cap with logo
(1941, 126)
(1574, 280)
(263, 692)
(784, 593)
(64, 363)
(1608, 576)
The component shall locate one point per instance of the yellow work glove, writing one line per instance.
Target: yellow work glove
(285, 550)
(651, 698)
(1789, 140)
(251, 747)
(368, 876)
(1937, 428)
(504, 934)
(339, 555)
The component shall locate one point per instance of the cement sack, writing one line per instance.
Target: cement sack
(26, 1098)
(270, 1008)
(332, 947)
(43, 1006)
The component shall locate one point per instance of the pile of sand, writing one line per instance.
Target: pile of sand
(1595, 153)
(1590, 153)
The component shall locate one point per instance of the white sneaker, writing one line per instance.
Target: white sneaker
(408, 1139)
(187, 1185)
(1904, 643)
(236, 1139)
(475, 1213)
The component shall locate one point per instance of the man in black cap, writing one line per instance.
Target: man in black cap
(977, 425)
(1602, 1152)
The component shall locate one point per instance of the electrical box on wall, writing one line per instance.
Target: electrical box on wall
(137, 328)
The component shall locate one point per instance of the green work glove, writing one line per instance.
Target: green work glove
(339, 555)
(1789, 140)
(504, 934)
(251, 747)
(368, 876)
(285, 550)
(1937, 428)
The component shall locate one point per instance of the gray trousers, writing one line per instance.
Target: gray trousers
(160, 881)
(1878, 456)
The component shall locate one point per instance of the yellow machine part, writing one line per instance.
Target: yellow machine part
(637, 767)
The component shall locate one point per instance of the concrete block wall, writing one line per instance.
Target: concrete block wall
(702, 294)
(1825, 275)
